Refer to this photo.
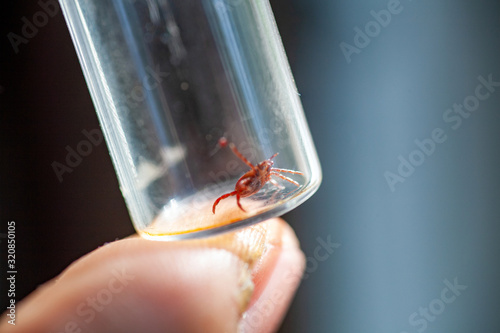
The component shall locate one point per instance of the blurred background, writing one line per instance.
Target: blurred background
(403, 102)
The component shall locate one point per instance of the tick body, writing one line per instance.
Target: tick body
(254, 179)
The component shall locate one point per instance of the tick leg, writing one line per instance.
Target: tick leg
(285, 178)
(240, 155)
(275, 183)
(238, 202)
(287, 171)
(224, 197)
(273, 156)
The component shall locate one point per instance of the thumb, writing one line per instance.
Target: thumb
(243, 280)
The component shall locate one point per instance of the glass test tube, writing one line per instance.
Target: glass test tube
(169, 79)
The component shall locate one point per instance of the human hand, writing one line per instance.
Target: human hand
(242, 281)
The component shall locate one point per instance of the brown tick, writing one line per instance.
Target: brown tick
(252, 181)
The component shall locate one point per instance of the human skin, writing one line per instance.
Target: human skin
(242, 281)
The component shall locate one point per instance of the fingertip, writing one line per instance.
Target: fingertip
(274, 296)
(175, 289)
(203, 285)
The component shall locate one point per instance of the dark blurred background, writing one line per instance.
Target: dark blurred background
(415, 222)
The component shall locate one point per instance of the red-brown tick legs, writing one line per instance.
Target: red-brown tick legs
(254, 179)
